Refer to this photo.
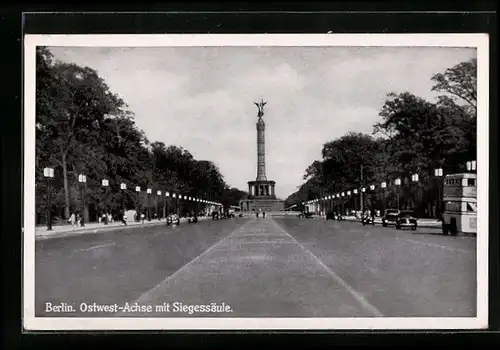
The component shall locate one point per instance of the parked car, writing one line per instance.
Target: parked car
(330, 215)
(173, 219)
(390, 217)
(406, 218)
(306, 215)
(192, 219)
(367, 220)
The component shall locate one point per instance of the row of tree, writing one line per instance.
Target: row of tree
(413, 136)
(84, 128)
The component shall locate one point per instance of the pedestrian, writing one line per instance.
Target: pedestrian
(124, 218)
(142, 218)
(263, 214)
(82, 221)
(72, 219)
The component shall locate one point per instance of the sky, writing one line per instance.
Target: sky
(202, 98)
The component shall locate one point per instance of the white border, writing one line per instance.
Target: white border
(478, 41)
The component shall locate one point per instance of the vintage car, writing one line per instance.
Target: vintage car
(406, 218)
(390, 217)
(306, 214)
(192, 219)
(367, 219)
(173, 219)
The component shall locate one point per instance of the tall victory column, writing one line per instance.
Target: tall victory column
(261, 191)
(261, 143)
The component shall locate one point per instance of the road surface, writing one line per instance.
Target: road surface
(267, 267)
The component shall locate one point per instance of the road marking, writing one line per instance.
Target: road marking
(275, 241)
(361, 299)
(143, 299)
(440, 246)
(259, 235)
(97, 246)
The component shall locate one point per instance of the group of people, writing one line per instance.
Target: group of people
(76, 219)
(259, 212)
(106, 218)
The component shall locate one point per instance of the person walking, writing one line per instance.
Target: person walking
(124, 218)
(72, 219)
(82, 220)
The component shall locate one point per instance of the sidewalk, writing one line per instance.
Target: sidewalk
(94, 227)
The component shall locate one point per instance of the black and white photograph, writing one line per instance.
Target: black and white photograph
(319, 181)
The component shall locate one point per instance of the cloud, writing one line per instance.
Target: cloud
(202, 98)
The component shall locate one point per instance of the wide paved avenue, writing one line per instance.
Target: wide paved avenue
(265, 267)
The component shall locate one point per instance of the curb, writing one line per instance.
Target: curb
(102, 229)
(435, 226)
(43, 237)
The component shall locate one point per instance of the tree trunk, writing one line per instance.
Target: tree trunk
(86, 213)
(66, 186)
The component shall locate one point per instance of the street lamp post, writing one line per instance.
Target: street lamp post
(123, 187)
(414, 179)
(137, 190)
(176, 209)
(362, 204)
(165, 203)
(158, 194)
(343, 203)
(105, 184)
(383, 185)
(438, 173)
(49, 174)
(148, 191)
(355, 191)
(82, 179)
(397, 182)
(372, 189)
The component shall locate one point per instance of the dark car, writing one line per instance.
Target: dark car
(390, 217)
(367, 220)
(330, 215)
(173, 219)
(192, 219)
(306, 215)
(406, 218)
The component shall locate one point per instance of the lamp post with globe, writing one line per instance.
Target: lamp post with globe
(82, 179)
(49, 174)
